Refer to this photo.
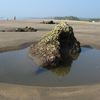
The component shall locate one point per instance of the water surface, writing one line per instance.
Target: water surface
(17, 67)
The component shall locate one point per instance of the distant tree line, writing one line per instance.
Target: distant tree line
(77, 18)
(67, 18)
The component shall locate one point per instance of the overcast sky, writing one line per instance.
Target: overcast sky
(46, 8)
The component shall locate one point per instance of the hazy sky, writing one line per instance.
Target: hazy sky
(45, 8)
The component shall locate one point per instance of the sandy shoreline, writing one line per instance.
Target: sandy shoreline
(87, 33)
(18, 92)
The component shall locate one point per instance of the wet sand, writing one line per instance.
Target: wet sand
(16, 92)
(87, 33)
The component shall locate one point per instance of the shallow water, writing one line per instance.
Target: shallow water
(17, 67)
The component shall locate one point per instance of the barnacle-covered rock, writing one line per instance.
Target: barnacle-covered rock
(56, 46)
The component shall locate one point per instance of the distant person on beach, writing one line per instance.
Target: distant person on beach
(14, 17)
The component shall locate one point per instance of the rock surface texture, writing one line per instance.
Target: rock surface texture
(59, 47)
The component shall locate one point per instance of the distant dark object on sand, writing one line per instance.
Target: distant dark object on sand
(26, 29)
(48, 22)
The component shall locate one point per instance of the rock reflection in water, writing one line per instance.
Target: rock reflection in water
(17, 68)
(64, 67)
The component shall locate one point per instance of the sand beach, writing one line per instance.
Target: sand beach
(87, 33)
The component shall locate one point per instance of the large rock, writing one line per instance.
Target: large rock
(56, 47)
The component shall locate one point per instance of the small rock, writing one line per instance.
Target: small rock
(48, 22)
